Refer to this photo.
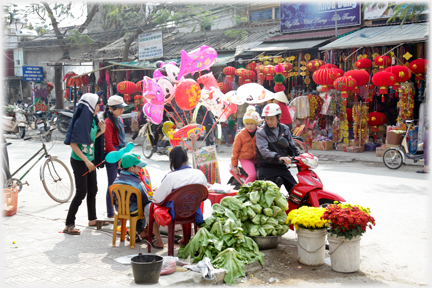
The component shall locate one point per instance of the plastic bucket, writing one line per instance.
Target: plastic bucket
(344, 254)
(146, 268)
(311, 246)
(10, 201)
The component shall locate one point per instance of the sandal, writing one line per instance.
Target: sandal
(103, 224)
(71, 230)
(157, 247)
(422, 171)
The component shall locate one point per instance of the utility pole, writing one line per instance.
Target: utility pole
(336, 19)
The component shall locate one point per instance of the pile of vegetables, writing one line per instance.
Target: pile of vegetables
(258, 209)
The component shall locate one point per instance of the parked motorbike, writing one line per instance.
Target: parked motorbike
(163, 147)
(43, 125)
(15, 124)
(63, 119)
(394, 157)
(309, 189)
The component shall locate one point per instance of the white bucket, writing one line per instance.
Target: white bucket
(311, 246)
(344, 254)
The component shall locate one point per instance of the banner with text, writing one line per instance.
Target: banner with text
(150, 45)
(316, 16)
(33, 73)
(40, 96)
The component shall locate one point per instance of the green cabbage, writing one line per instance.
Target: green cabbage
(232, 203)
(272, 221)
(276, 210)
(254, 197)
(263, 219)
(268, 212)
(282, 203)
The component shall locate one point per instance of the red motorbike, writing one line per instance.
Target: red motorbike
(309, 189)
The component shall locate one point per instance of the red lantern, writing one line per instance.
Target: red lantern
(383, 62)
(361, 77)
(223, 87)
(339, 72)
(187, 95)
(239, 74)
(313, 65)
(139, 87)
(401, 73)
(249, 75)
(376, 119)
(279, 87)
(126, 88)
(328, 66)
(418, 67)
(251, 66)
(363, 63)
(383, 80)
(324, 77)
(345, 84)
(269, 71)
(229, 72)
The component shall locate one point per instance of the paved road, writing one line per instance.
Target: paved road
(393, 252)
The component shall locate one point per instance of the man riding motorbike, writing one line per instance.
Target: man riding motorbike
(271, 156)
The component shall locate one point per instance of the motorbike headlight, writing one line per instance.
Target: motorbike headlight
(312, 163)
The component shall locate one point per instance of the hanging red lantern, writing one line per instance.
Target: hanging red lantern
(345, 84)
(383, 80)
(239, 74)
(229, 73)
(363, 63)
(376, 119)
(382, 62)
(339, 72)
(287, 67)
(418, 67)
(251, 66)
(401, 73)
(279, 78)
(248, 75)
(139, 86)
(361, 77)
(269, 71)
(328, 66)
(324, 77)
(126, 88)
(313, 65)
(224, 87)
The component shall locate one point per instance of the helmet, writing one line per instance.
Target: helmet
(271, 109)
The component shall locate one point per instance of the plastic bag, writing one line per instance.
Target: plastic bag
(169, 265)
(161, 215)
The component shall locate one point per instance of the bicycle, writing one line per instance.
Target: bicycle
(54, 174)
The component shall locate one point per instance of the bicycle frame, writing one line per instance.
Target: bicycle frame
(44, 154)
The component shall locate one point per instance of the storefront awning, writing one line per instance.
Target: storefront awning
(379, 36)
(284, 46)
(222, 60)
(143, 64)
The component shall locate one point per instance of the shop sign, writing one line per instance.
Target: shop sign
(40, 96)
(381, 13)
(150, 45)
(315, 16)
(33, 73)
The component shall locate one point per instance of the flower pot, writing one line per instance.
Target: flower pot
(311, 246)
(344, 254)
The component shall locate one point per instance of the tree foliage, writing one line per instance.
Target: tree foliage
(406, 11)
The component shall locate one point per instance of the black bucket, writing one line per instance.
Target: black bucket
(146, 268)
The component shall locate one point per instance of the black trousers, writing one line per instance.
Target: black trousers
(85, 186)
(267, 173)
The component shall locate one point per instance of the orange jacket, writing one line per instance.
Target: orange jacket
(244, 147)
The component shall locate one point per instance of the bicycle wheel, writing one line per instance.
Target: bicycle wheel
(147, 148)
(57, 180)
(393, 159)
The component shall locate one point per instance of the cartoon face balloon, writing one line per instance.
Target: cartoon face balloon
(152, 93)
(197, 60)
(169, 70)
(168, 87)
(213, 100)
(154, 112)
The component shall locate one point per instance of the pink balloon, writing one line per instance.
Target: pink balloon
(208, 80)
(168, 88)
(197, 60)
(152, 92)
(154, 112)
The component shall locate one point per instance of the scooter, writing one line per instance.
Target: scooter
(394, 157)
(16, 123)
(63, 119)
(43, 125)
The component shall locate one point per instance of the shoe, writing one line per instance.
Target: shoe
(71, 230)
(156, 247)
(154, 149)
(422, 171)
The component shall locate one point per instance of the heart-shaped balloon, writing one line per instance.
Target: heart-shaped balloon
(154, 112)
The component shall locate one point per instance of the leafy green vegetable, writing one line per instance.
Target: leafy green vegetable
(262, 231)
(276, 210)
(254, 197)
(271, 195)
(257, 219)
(272, 221)
(263, 219)
(282, 203)
(254, 230)
(232, 203)
(262, 202)
(256, 208)
(233, 262)
(268, 212)
(229, 226)
(250, 212)
(285, 229)
(281, 218)
(217, 229)
(268, 228)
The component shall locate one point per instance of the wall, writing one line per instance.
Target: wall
(12, 90)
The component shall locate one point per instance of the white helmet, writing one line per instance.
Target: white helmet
(271, 109)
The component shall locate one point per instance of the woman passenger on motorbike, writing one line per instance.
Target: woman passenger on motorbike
(271, 156)
(244, 147)
(115, 139)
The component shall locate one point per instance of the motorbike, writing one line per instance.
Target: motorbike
(63, 119)
(43, 125)
(15, 124)
(163, 146)
(395, 157)
(309, 189)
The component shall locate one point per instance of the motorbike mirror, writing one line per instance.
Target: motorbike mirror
(283, 142)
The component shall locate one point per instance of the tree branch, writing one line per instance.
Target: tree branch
(89, 18)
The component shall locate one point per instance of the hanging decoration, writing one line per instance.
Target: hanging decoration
(328, 66)
(402, 75)
(418, 67)
(279, 78)
(361, 77)
(382, 62)
(251, 66)
(383, 80)
(287, 68)
(269, 71)
(229, 73)
(248, 75)
(239, 74)
(126, 88)
(223, 87)
(313, 65)
(325, 78)
(345, 84)
(406, 103)
(360, 125)
(363, 64)
(343, 125)
(376, 119)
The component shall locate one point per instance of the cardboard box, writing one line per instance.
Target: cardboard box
(353, 149)
(340, 146)
(322, 145)
(353, 142)
(379, 152)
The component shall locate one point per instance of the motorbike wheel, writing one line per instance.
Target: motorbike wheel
(147, 148)
(393, 159)
(63, 124)
(31, 120)
(21, 132)
(325, 202)
(301, 146)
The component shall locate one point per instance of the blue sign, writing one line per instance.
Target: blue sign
(33, 73)
(315, 16)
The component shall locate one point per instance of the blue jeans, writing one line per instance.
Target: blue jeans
(112, 172)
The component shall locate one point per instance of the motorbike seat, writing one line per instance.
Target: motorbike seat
(414, 156)
(7, 118)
